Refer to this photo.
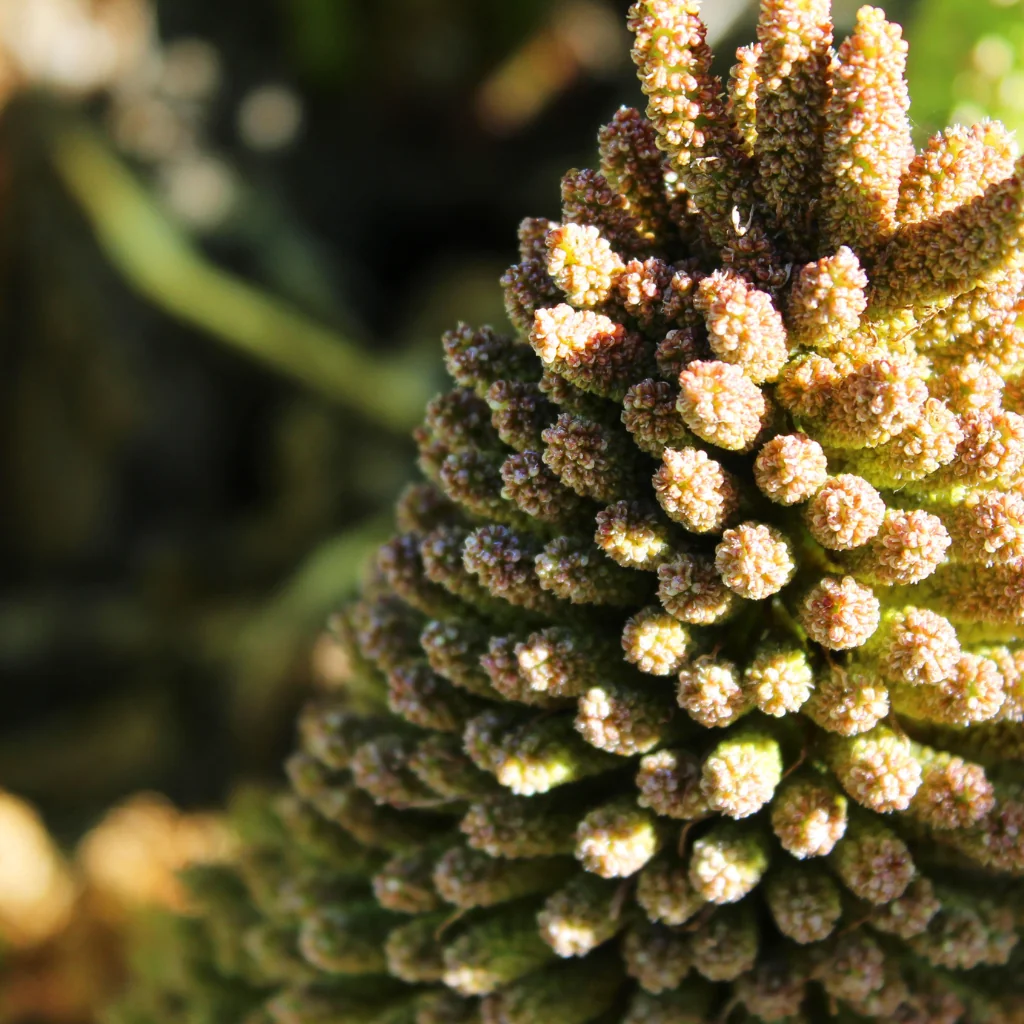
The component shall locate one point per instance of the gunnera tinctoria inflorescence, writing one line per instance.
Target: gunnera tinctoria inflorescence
(691, 688)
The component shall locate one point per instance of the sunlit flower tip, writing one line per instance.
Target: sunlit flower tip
(809, 817)
(743, 325)
(956, 166)
(973, 693)
(623, 720)
(644, 289)
(954, 793)
(827, 299)
(807, 386)
(919, 647)
(872, 404)
(656, 642)
(739, 777)
(991, 452)
(560, 662)
(840, 613)
(970, 387)
(947, 255)
(633, 534)
(589, 349)
(908, 548)
(845, 513)
(583, 264)
(848, 701)
(780, 679)
(790, 468)
(690, 588)
(988, 528)
(541, 754)
(727, 863)
(1010, 662)
(721, 404)
(922, 448)
(711, 692)
(867, 145)
(695, 490)
(877, 769)
(617, 839)
(755, 560)
(580, 916)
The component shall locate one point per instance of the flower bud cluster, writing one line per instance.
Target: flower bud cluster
(691, 688)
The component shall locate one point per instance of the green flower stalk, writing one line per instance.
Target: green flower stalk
(692, 687)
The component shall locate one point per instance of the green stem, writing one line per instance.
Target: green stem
(158, 260)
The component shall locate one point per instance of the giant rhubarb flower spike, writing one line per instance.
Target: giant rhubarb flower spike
(692, 688)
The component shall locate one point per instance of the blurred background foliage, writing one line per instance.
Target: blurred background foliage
(231, 234)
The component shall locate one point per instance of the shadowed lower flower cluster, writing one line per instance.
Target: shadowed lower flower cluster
(690, 689)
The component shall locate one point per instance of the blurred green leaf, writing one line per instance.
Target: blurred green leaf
(966, 63)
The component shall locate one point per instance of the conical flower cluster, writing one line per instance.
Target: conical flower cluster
(690, 689)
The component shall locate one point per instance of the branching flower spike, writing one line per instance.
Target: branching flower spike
(692, 688)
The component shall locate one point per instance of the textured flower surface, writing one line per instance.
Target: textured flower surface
(691, 688)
